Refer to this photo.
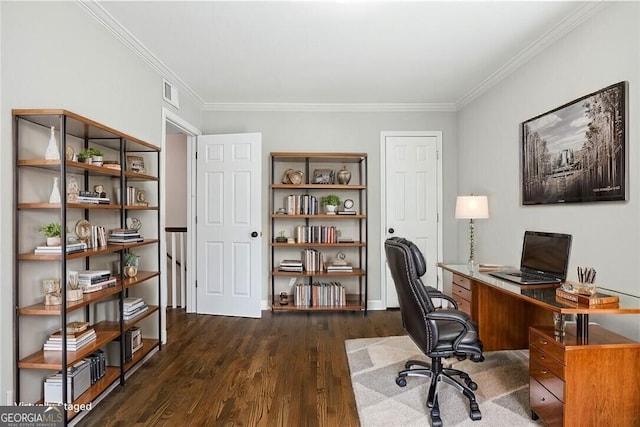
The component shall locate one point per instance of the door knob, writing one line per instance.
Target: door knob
(254, 234)
(391, 231)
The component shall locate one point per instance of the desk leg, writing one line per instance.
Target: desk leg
(582, 328)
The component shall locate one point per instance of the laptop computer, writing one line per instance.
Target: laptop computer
(544, 259)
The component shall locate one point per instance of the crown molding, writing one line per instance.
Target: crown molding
(570, 22)
(331, 107)
(132, 43)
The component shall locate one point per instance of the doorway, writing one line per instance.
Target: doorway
(411, 200)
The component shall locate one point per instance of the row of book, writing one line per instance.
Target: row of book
(316, 234)
(93, 197)
(95, 280)
(133, 307)
(124, 235)
(57, 250)
(80, 377)
(294, 265)
(75, 340)
(303, 204)
(98, 237)
(313, 261)
(320, 294)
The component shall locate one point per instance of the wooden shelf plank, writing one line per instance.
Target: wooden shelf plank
(355, 272)
(152, 309)
(318, 157)
(305, 245)
(55, 310)
(318, 216)
(142, 276)
(30, 256)
(147, 346)
(111, 375)
(318, 186)
(105, 332)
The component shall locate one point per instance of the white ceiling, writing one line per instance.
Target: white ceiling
(426, 53)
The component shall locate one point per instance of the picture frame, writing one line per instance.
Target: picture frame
(577, 152)
(135, 164)
(323, 176)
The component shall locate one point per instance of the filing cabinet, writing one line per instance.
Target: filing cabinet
(461, 293)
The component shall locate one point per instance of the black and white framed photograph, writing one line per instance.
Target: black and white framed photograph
(323, 176)
(577, 152)
(135, 164)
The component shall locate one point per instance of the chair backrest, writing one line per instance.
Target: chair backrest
(407, 264)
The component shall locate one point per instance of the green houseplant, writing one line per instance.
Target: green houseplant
(331, 203)
(131, 262)
(90, 155)
(52, 231)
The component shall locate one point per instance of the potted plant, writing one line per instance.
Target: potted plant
(52, 231)
(331, 203)
(131, 261)
(281, 237)
(91, 156)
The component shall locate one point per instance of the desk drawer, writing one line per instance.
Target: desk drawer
(460, 292)
(546, 344)
(463, 282)
(463, 304)
(547, 378)
(545, 361)
(545, 404)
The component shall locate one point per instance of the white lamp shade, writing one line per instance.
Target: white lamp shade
(472, 207)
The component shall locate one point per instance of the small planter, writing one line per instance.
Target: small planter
(97, 160)
(330, 209)
(74, 294)
(54, 241)
(130, 270)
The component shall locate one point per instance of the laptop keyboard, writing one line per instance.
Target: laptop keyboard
(530, 276)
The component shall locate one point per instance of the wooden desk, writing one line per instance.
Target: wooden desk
(588, 377)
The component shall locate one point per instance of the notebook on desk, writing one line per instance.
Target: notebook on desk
(544, 259)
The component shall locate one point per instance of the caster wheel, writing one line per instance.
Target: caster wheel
(436, 422)
(475, 415)
(472, 385)
(401, 381)
(408, 365)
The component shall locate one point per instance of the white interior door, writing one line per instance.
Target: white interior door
(412, 198)
(229, 207)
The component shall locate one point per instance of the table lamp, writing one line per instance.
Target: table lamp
(472, 207)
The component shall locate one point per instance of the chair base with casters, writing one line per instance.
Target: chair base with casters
(437, 373)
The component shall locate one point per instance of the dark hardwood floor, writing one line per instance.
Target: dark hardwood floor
(285, 369)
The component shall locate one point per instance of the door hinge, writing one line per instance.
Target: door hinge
(196, 283)
(196, 155)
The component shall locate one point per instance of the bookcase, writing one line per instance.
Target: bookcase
(318, 259)
(48, 178)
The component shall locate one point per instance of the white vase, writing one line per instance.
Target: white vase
(53, 152)
(330, 209)
(55, 191)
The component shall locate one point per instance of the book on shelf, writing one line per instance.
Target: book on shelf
(94, 200)
(597, 299)
(52, 250)
(347, 212)
(88, 288)
(345, 239)
(135, 313)
(73, 344)
(90, 274)
(130, 305)
(77, 326)
(339, 267)
(73, 337)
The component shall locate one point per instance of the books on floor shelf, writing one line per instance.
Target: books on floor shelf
(95, 280)
(320, 294)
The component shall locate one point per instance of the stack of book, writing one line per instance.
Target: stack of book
(92, 197)
(345, 239)
(313, 260)
(124, 235)
(339, 267)
(133, 307)
(57, 250)
(294, 265)
(75, 340)
(98, 236)
(95, 280)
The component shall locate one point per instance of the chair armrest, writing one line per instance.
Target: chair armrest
(437, 294)
(456, 316)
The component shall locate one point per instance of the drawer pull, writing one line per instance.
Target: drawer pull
(542, 399)
(542, 357)
(543, 372)
(544, 342)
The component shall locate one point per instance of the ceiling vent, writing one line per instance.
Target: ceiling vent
(170, 93)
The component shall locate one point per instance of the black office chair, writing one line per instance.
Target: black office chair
(439, 333)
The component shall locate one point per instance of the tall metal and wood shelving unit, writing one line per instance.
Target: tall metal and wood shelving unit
(33, 320)
(356, 251)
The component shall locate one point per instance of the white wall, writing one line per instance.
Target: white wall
(352, 132)
(55, 55)
(606, 235)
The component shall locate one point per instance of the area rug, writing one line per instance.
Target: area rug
(502, 378)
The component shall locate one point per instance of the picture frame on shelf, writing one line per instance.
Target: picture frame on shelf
(577, 152)
(135, 164)
(323, 176)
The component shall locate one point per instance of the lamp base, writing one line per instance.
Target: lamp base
(473, 266)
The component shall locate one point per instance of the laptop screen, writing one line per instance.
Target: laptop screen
(546, 253)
